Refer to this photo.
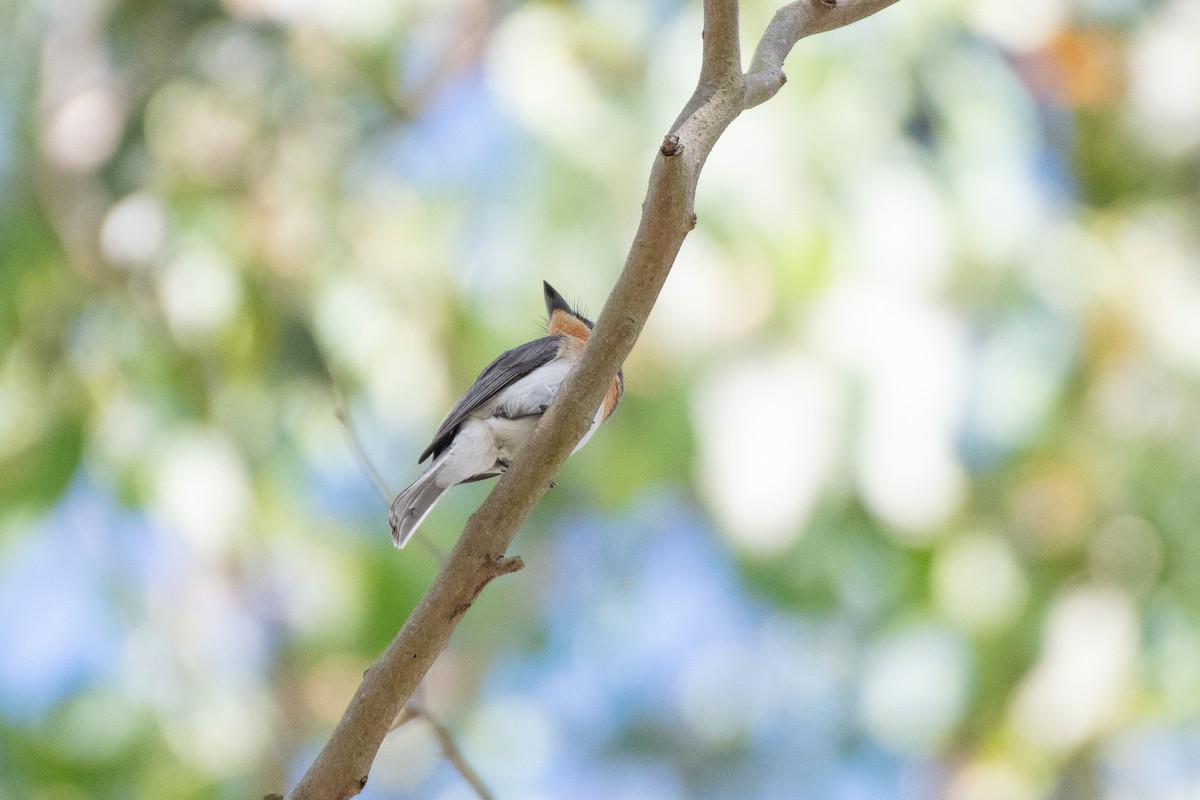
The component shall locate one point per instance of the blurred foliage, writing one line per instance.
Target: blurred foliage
(902, 500)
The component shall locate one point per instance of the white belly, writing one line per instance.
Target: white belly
(481, 443)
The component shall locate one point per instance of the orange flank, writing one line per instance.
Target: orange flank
(613, 396)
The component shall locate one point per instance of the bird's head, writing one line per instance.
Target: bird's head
(563, 318)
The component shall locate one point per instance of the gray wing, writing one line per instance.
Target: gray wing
(506, 370)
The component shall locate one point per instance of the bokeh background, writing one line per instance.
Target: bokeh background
(903, 497)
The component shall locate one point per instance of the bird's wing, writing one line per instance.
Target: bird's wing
(508, 368)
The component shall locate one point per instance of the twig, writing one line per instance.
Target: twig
(452, 753)
(417, 709)
(791, 24)
(722, 55)
(454, 756)
(340, 770)
(343, 415)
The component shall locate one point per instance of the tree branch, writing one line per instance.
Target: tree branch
(791, 24)
(722, 54)
(453, 754)
(450, 750)
(343, 416)
(340, 770)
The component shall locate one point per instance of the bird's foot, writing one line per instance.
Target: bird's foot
(503, 413)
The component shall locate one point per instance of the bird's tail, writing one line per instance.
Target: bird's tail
(413, 504)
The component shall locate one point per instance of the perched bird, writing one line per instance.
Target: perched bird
(488, 424)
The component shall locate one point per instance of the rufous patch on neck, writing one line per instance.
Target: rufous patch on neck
(563, 323)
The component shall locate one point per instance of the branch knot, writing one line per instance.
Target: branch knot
(504, 565)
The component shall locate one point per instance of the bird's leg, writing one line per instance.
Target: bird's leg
(505, 414)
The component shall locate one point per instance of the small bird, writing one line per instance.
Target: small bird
(489, 424)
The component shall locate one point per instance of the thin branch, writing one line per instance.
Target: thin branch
(452, 753)
(791, 24)
(417, 709)
(721, 62)
(722, 54)
(463, 48)
(343, 416)
(340, 770)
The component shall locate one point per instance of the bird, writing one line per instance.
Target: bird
(496, 416)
